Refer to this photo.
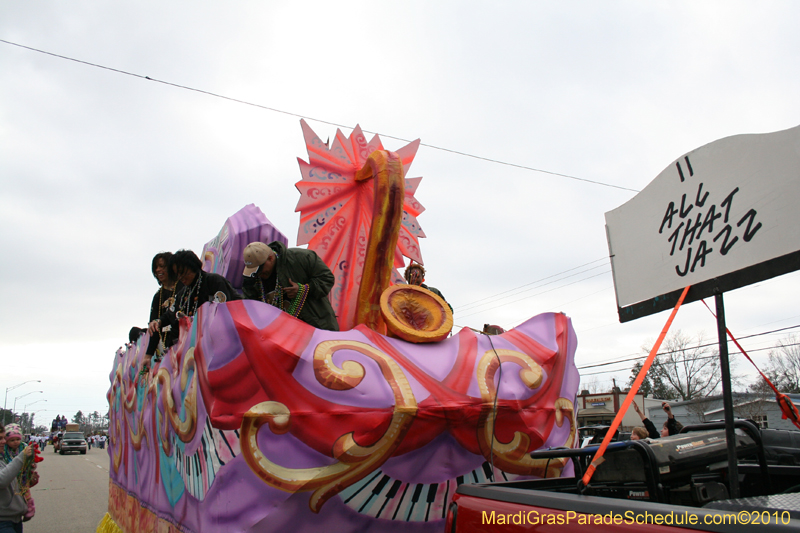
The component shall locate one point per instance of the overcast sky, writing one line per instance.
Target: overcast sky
(101, 169)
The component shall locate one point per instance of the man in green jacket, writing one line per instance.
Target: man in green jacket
(295, 280)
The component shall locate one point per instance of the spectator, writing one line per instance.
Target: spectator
(26, 477)
(671, 426)
(649, 430)
(12, 505)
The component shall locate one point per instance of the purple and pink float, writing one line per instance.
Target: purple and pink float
(257, 422)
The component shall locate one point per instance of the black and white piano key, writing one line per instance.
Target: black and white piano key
(373, 503)
(380, 496)
(399, 501)
(387, 498)
(198, 470)
(357, 494)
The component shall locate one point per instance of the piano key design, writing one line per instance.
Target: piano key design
(380, 496)
(384, 494)
(199, 469)
(377, 495)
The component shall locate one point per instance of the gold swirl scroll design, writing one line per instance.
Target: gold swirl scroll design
(354, 461)
(185, 429)
(115, 430)
(129, 400)
(513, 456)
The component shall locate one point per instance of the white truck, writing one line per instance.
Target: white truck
(72, 440)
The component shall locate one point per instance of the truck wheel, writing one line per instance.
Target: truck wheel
(61, 452)
(83, 452)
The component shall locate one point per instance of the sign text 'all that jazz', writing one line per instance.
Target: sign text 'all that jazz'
(698, 227)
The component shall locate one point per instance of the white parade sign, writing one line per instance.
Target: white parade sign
(720, 209)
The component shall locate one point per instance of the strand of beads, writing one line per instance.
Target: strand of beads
(272, 298)
(263, 292)
(159, 349)
(164, 303)
(278, 296)
(197, 296)
(186, 299)
(297, 304)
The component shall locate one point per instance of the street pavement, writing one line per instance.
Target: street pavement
(72, 494)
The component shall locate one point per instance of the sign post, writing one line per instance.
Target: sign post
(727, 398)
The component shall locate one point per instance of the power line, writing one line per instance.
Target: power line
(537, 294)
(681, 350)
(689, 348)
(516, 290)
(562, 305)
(655, 364)
(275, 110)
(471, 304)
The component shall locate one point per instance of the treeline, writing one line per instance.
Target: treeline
(91, 423)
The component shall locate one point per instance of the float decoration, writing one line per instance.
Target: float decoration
(415, 314)
(257, 422)
(338, 213)
(223, 254)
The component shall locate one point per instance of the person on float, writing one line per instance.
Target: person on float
(294, 280)
(12, 504)
(168, 285)
(415, 275)
(163, 299)
(198, 287)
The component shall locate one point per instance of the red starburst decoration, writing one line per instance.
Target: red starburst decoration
(336, 212)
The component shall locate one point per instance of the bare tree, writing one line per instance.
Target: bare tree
(784, 364)
(752, 405)
(593, 385)
(698, 410)
(688, 365)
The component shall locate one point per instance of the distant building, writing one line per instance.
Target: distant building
(599, 409)
(761, 408)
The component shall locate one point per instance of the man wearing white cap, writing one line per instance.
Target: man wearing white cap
(294, 280)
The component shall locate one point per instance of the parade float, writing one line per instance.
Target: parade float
(257, 422)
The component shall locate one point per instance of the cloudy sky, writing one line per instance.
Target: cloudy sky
(101, 167)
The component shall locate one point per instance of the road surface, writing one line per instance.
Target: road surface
(72, 494)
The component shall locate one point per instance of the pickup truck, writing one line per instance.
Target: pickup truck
(72, 440)
(668, 484)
